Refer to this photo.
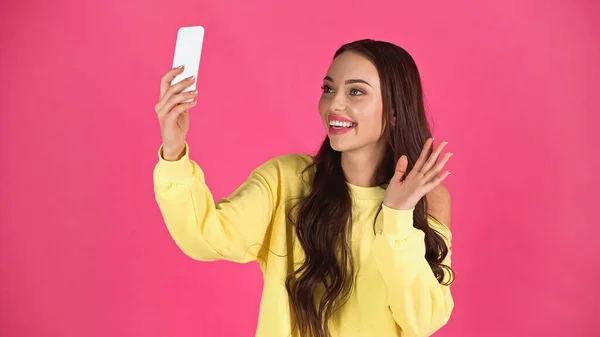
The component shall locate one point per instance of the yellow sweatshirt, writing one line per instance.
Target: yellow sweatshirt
(395, 292)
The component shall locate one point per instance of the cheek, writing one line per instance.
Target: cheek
(370, 118)
(372, 130)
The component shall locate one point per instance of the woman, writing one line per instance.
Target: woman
(352, 242)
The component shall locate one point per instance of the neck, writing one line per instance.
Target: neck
(359, 165)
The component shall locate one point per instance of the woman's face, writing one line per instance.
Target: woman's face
(351, 106)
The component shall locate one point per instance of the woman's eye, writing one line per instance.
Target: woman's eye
(355, 92)
(326, 88)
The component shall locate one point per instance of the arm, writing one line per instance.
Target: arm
(420, 305)
(233, 229)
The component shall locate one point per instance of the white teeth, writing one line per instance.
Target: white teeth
(341, 124)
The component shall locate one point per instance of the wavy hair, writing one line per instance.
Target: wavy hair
(323, 218)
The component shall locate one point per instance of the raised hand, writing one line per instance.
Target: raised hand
(404, 194)
(173, 113)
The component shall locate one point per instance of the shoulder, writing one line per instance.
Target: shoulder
(286, 164)
(286, 175)
(284, 168)
(439, 204)
(293, 160)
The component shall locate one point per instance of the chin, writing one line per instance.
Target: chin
(339, 145)
(351, 144)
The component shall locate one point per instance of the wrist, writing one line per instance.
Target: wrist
(398, 223)
(399, 207)
(170, 154)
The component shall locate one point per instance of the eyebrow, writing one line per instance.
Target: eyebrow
(350, 81)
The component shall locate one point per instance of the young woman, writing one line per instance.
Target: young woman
(354, 241)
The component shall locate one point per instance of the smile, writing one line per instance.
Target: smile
(339, 125)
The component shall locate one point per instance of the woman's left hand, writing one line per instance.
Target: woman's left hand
(405, 194)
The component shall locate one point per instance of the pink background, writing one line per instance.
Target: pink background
(512, 85)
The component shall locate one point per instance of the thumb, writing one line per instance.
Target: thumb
(400, 169)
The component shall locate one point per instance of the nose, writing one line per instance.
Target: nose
(338, 103)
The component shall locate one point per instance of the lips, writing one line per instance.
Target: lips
(339, 119)
(338, 125)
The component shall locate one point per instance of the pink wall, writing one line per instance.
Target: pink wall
(512, 85)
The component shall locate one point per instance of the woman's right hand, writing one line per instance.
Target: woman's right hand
(173, 113)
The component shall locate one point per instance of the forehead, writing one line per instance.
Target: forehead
(350, 65)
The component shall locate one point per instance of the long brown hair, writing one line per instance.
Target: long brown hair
(323, 218)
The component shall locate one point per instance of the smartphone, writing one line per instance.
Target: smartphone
(188, 49)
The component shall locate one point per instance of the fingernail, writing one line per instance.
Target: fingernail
(193, 103)
(191, 77)
(193, 92)
(181, 66)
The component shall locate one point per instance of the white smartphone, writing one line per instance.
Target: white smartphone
(188, 49)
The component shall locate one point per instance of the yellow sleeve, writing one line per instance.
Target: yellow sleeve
(232, 229)
(419, 304)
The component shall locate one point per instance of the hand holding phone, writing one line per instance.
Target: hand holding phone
(178, 92)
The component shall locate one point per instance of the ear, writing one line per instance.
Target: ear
(393, 119)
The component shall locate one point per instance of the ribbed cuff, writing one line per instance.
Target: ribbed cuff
(175, 171)
(397, 222)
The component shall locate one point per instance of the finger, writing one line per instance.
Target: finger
(176, 89)
(400, 169)
(438, 167)
(181, 85)
(174, 100)
(166, 80)
(181, 108)
(433, 157)
(424, 155)
(434, 183)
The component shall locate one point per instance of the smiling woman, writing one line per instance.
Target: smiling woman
(353, 99)
(347, 241)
